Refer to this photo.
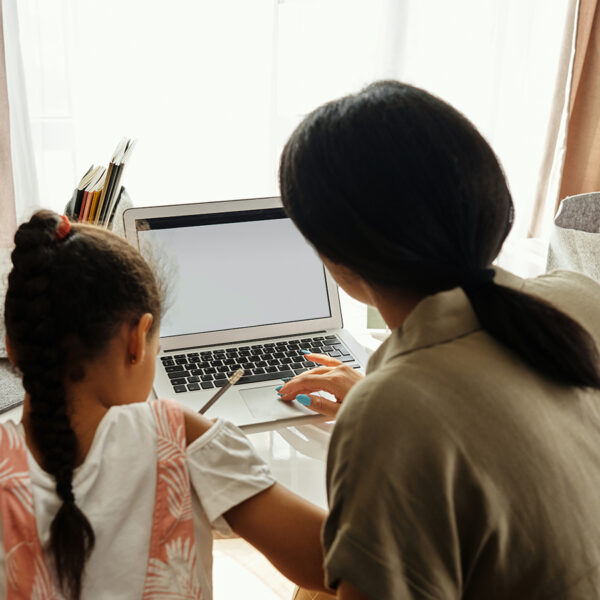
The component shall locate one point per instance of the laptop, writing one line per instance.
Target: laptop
(245, 290)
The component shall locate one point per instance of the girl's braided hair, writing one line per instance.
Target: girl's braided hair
(66, 299)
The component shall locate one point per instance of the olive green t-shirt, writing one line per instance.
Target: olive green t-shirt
(457, 471)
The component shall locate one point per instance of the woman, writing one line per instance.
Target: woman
(466, 464)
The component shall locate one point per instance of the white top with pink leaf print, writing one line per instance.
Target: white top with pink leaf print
(116, 488)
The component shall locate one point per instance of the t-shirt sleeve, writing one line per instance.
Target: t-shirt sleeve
(398, 489)
(225, 470)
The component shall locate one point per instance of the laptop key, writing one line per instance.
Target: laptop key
(206, 385)
(219, 382)
(180, 388)
(272, 369)
(346, 359)
(266, 376)
(179, 375)
(219, 376)
(192, 387)
(194, 379)
(334, 353)
(197, 372)
(175, 382)
(299, 371)
(208, 377)
(174, 368)
(258, 371)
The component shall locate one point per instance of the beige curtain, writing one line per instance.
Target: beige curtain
(581, 172)
(552, 162)
(8, 218)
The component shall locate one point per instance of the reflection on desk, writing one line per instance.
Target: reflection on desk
(297, 457)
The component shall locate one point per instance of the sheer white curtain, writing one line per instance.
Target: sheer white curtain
(502, 63)
(23, 169)
(212, 89)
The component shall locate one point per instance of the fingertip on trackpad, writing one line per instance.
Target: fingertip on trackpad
(263, 403)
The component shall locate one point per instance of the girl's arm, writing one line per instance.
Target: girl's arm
(287, 530)
(281, 525)
(349, 592)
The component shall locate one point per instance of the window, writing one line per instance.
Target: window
(212, 89)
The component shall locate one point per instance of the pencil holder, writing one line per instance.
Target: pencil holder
(115, 224)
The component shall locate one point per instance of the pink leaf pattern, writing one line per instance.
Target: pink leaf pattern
(172, 570)
(27, 575)
(173, 564)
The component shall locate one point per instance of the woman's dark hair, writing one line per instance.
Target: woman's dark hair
(399, 187)
(66, 299)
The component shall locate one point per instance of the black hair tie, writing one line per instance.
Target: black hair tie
(476, 279)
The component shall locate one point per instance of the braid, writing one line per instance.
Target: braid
(32, 310)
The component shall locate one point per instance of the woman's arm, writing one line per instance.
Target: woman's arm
(287, 530)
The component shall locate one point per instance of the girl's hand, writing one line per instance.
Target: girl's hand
(333, 377)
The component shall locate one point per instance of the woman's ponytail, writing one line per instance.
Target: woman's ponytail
(400, 188)
(553, 343)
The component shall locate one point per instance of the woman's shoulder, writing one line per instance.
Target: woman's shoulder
(574, 293)
(561, 281)
(394, 397)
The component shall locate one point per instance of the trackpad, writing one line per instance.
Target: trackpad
(264, 404)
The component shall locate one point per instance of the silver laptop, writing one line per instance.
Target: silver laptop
(245, 290)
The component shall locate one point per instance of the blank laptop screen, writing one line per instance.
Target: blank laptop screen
(234, 270)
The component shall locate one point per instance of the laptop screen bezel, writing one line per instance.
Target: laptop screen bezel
(132, 216)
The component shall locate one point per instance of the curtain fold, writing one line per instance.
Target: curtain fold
(551, 168)
(581, 172)
(8, 218)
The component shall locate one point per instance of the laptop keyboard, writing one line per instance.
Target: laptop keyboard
(261, 362)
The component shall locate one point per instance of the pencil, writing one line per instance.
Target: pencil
(232, 380)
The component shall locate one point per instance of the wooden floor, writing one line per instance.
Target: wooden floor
(240, 571)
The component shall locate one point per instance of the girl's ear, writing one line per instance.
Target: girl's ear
(138, 337)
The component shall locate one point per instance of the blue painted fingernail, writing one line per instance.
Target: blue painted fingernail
(303, 399)
(278, 388)
(285, 379)
(306, 351)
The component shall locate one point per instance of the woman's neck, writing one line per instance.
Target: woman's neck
(393, 305)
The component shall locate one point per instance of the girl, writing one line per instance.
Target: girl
(103, 495)
(466, 464)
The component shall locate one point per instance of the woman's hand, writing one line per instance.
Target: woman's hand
(333, 377)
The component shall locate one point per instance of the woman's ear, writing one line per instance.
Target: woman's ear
(138, 337)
